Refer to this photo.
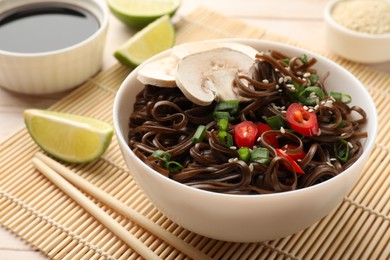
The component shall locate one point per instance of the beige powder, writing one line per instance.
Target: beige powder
(366, 16)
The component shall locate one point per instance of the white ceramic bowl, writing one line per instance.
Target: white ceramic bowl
(246, 218)
(353, 45)
(58, 70)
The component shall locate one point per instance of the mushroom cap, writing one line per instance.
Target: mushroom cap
(209, 75)
(185, 49)
(161, 72)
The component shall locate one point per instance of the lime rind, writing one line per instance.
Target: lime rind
(151, 40)
(83, 151)
(139, 13)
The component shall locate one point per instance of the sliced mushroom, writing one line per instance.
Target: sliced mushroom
(161, 73)
(207, 76)
(185, 49)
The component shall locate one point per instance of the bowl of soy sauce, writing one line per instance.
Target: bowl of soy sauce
(49, 46)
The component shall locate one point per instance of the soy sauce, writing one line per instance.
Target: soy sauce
(43, 28)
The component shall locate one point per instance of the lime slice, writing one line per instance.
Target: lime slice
(68, 137)
(139, 13)
(151, 40)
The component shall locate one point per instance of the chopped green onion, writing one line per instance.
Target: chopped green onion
(221, 114)
(314, 78)
(308, 98)
(260, 155)
(341, 149)
(161, 155)
(199, 134)
(304, 58)
(165, 157)
(173, 166)
(275, 122)
(287, 61)
(225, 138)
(223, 124)
(230, 106)
(345, 98)
(244, 154)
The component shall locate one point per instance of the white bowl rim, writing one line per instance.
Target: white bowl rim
(329, 19)
(102, 27)
(366, 151)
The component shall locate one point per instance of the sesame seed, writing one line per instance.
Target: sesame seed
(319, 132)
(328, 163)
(343, 134)
(311, 110)
(350, 145)
(251, 167)
(287, 78)
(277, 86)
(333, 159)
(282, 130)
(231, 160)
(280, 90)
(265, 81)
(305, 107)
(281, 79)
(290, 85)
(299, 73)
(276, 69)
(233, 148)
(306, 75)
(333, 99)
(259, 139)
(235, 159)
(316, 107)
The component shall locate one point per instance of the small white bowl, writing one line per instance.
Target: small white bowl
(246, 218)
(353, 45)
(58, 70)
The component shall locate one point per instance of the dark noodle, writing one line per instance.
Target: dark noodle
(164, 119)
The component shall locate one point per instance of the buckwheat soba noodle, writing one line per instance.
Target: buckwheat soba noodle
(289, 133)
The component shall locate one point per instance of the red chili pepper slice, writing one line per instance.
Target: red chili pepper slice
(295, 156)
(301, 120)
(245, 134)
(271, 138)
(294, 164)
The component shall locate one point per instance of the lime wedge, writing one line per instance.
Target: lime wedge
(68, 137)
(139, 13)
(151, 40)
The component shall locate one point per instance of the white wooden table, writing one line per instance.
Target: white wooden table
(300, 20)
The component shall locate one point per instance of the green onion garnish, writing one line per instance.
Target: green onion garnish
(221, 114)
(199, 134)
(225, 138)
(287, 61)
(260, 155)
(173, 166)
(341, 149)
(223, 124)
(230, 106)
(161, 155)
(345, 98)
(275, 122)
(310, 95)
(244, 154)
(314, 78)
(304, 58)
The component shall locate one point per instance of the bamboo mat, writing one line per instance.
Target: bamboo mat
(43, 216)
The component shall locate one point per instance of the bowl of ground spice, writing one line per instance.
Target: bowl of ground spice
(359, 30)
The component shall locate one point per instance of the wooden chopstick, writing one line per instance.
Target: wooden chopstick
(94, 210)
(116, 205)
